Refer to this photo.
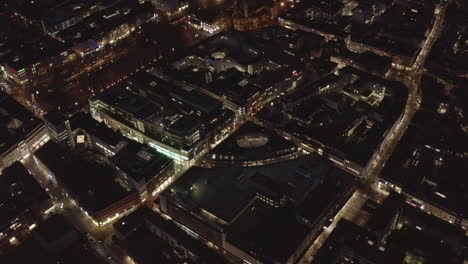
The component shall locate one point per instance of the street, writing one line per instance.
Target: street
(412, 81)
(350, 211)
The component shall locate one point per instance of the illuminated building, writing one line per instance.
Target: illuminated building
(212, 20)
(106, 26)
(82, 131)
(253, 15)
(171, 8)
(175, 135)
(236, 69)
(21, 133)
(251, 145)
(54, 16)
(215, 120)
(143, 169)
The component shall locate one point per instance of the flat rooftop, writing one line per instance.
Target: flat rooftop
(16, 122)
(102, 22)
(147, 110)
(238, 66)
(197, 109)
(270, 234)
(310, 184)
(198, 100)
(92, 183)
(140, 162)
(222, 197)
(136, 225)
(19, 192)
(121, 98)
(56, 11)
(95, 128)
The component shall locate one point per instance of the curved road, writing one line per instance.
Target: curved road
(412, 81)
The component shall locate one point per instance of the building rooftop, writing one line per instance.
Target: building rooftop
(382, 217)
(90, 182)
(16, 122)
(399, 30)
(235, 45)
(349, 112)
(316, 15)
(53, 12)
(140, 162)
(20, 48)
(152, 250)
(185, 125)
(196, 99)
(55, 117)
(261, 231)
(143, 218)
(102, 22)
(432, 225)
(19, 192)
(147, 110)
(120, 98)
(237, 66)
(397, 232)
(95, 128)
(253, 223)
(222, 197)
(332, 183)
(195, 109)
(431, 154)
(252, 142)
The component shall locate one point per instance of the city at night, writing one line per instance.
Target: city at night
(233, 131)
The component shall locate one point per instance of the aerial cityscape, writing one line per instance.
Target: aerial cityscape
(234, 131)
